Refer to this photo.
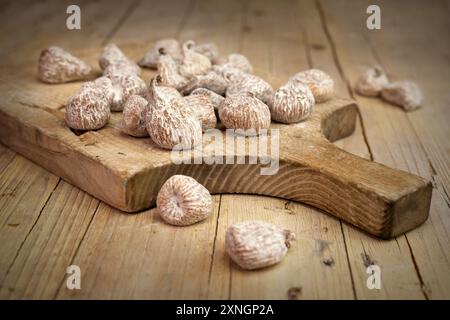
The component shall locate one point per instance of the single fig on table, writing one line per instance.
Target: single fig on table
(405, 94)
(371, 82)
(257, 244)
(183, 201)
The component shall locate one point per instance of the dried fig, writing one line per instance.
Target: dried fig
(209, 50)
(203, 108)
(126, 85)
(291, 103)
(134, 116)
(58, 66)
(244, 82)
(112, 55)
(238, 61)
(257, 244)
(212, 81)
(172, 127)
(372, 82)
(405, 94)
(319, 82)
(160, 96)
(88, 109)
(183, 201)
(171, 122)
(121, 68)
(215, 98)
(168, 71)
(244, 113)
(170, 46)
(194, 63)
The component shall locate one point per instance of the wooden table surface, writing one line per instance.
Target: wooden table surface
(46, 224)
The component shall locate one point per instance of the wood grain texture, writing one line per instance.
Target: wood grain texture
(20, 180)
(178, 282)
(362, 250)
(40, 241)
(318, 253)
(394, 138)
(321, 235)
(40, 265)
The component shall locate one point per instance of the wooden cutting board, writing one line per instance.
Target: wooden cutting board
(127, 172)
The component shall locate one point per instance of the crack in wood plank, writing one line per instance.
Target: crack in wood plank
(121, 21)
(214, 242)
(423, 287)
(341, 71)
(425, 291)
(336, 62)
(19, 249)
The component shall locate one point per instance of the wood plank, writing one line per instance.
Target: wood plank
(315, 266)
(40, 265)
(99, 287)
(180, 251)
(430, 125)
(273, 40)
(165, 262)
(39, 243)
(24, 190)
(392, 138)
(389, 254)
(41, 24)
(6, 156)
(424, 26)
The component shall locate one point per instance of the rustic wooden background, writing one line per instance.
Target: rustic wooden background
(46, 224)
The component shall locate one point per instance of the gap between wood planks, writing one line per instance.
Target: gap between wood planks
(244, 23)
(109, 37)
(311, 65)
(430, 165)
(341, 72)
(72, 259)
(339, 68)
(214, 241)
(30, 230)
(121, 21)
(19, 249)
(350, 91)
